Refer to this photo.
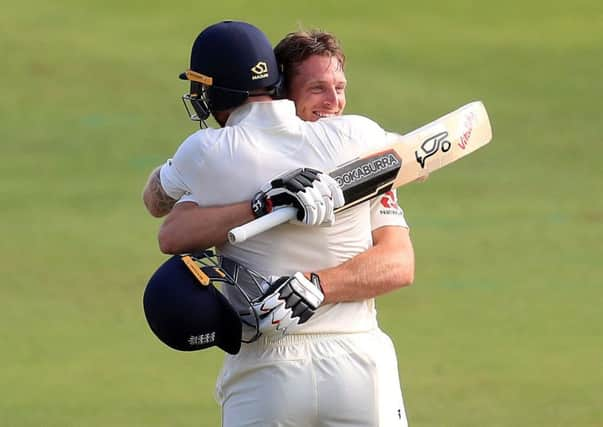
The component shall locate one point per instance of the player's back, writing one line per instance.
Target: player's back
(263, 140)
(260, 142)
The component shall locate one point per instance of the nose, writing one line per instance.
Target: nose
(330, 98)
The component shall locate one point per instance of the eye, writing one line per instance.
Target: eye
(316, 89)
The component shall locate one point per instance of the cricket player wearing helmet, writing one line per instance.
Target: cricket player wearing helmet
(325, 362)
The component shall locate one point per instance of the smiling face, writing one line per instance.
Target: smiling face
(318, 87)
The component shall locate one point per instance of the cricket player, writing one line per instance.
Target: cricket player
(337, 367)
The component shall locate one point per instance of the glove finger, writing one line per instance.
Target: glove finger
(327, 201)
(330, 211)
(322, 188)
(305, 178)
(268, 304)
(335, 189)
(317, 198)
(285, 176)
(294, 180)
(277, 321)
(311, 174)
(299, 183)
(319, 203)
(309, 208)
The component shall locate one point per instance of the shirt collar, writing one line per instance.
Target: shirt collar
(268, 113)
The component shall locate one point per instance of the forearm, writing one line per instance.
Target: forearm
(189, 228)
(157, 202)
(387, 266)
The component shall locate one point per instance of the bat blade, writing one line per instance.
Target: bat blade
(443, 141)
(409, 157)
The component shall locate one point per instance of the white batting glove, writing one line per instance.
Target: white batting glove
(321, 200)
(289, 301)
(315, 195)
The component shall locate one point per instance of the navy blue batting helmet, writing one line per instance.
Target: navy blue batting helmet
(185, 310)
(228, 61)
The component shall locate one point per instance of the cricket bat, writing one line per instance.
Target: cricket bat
(410, 157)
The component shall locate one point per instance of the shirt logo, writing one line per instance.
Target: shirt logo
(259, 71)
(390, 204)
(388, 200)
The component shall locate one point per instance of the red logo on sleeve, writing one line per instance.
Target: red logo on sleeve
(388, 200)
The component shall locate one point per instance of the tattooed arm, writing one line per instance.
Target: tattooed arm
(157, 202)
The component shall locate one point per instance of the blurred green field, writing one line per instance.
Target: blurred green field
(503, 325)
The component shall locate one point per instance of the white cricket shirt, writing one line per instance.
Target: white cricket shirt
(262, 140)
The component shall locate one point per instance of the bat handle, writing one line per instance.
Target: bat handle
(243, 232)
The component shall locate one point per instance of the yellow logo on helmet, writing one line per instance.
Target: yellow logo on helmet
(259, 71)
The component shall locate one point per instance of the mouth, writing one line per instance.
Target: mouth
(323, 114)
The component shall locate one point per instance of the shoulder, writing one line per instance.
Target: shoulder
(202, 138)
(354, 120)
(354, 124)
(200, 143)
(358, 128)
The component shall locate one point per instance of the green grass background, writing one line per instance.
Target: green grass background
(503, 325)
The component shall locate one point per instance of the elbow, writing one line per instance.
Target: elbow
(409, 277)
(173, 241)
(405, 276)
(167, 243)
(166, 248)
(406, 268)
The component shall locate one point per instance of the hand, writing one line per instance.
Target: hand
(289, 301)
(315, 195)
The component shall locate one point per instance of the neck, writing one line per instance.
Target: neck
(222, 116)
(258, 98)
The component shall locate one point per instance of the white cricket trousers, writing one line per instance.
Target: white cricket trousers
(311, 381)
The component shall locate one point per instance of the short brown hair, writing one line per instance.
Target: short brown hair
(296, 47)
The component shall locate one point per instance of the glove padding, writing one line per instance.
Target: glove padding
(289, 301)
(315, 195)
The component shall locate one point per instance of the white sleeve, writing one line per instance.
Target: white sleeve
(180, 172)
(366, 130)
(385, 211)
(171, 180)
(392, 137)
(188, 198)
